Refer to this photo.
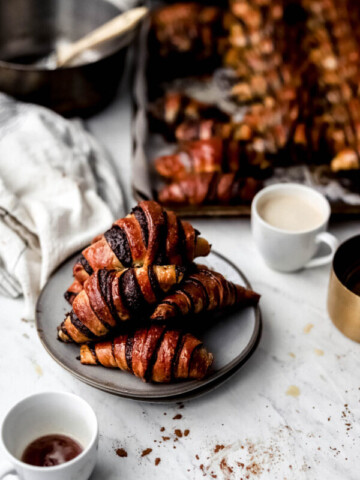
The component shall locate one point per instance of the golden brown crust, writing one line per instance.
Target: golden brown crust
(87, 316)
(154, 353)
(210, 188)
(200, 292)
(120, 352)
(134, 236)
(104, 354)
(99, 255)
(162, 369)
(97, 301)
(149, 235)
(190, 343)
(110, 297)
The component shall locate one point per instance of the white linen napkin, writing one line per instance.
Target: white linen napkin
(58, 189)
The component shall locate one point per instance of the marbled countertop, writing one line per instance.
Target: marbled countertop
(292, 412)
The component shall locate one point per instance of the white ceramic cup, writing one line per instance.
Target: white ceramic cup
(288, 251)
(45, 414)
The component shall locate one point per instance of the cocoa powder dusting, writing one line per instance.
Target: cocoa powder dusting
(121, 452)
(177, 417)
(244, 461)
(225, 467)
(218, 448)
(178, 432)
(157, 461)
(146, 452)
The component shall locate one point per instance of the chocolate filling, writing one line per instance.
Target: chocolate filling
(175, 305)
(105, 281)
(181, 246)
(82, 260)
(131, 293)
(69, 296)
(192, 306)
(154, 283)
(211, 194)
(161, 258)
(178, 349)
(80, 326)
(118, 242)
(113, 350)
(141, 218)
(63, 329)
(128, 351)
(93, 352)
(192, 355)
(210, 274)
(148, 373)
(179, 271)
(197, 282)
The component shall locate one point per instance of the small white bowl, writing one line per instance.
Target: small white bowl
(45, 414)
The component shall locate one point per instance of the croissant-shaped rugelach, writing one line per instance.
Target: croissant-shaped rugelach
(110, 297)
(174, 108)
(149, 235)
(211, 155)
(186, 28)
(210, 188)
(206, 128)
(203, 291)
(153, 354)
(347, 159)
(75, 288)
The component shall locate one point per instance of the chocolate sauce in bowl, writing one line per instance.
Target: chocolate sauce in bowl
(51, 450)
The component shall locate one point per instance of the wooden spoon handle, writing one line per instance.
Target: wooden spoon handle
(115, 27)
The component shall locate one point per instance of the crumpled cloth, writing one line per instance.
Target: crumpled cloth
(58, 190)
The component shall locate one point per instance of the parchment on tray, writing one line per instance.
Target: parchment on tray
(342, 191)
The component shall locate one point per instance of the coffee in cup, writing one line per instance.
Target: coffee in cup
(289, 222)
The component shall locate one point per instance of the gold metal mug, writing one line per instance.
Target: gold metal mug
(343, 303)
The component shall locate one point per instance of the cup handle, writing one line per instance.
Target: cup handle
(329, 240)
(5, 469)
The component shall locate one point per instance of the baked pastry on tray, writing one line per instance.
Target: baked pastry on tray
(210, 189)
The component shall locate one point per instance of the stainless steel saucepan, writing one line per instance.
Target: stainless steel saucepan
(32, 29)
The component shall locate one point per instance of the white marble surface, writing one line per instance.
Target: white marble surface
(266, 432)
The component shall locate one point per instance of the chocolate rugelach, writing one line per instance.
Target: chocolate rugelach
(175, 108)
(154, 354)
(111, 297)
(210, 189)
(149, 235)
(200, 156)
(202, 291)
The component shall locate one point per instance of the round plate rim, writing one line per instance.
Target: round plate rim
(190, 389)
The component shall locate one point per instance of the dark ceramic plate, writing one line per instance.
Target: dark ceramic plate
(232, 340)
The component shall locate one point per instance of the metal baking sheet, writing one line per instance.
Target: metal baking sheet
(342, 190)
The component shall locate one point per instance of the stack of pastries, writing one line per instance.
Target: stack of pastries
(136, 287)
(292, 77)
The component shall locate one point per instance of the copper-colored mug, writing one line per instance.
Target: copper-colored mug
(344, 289)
